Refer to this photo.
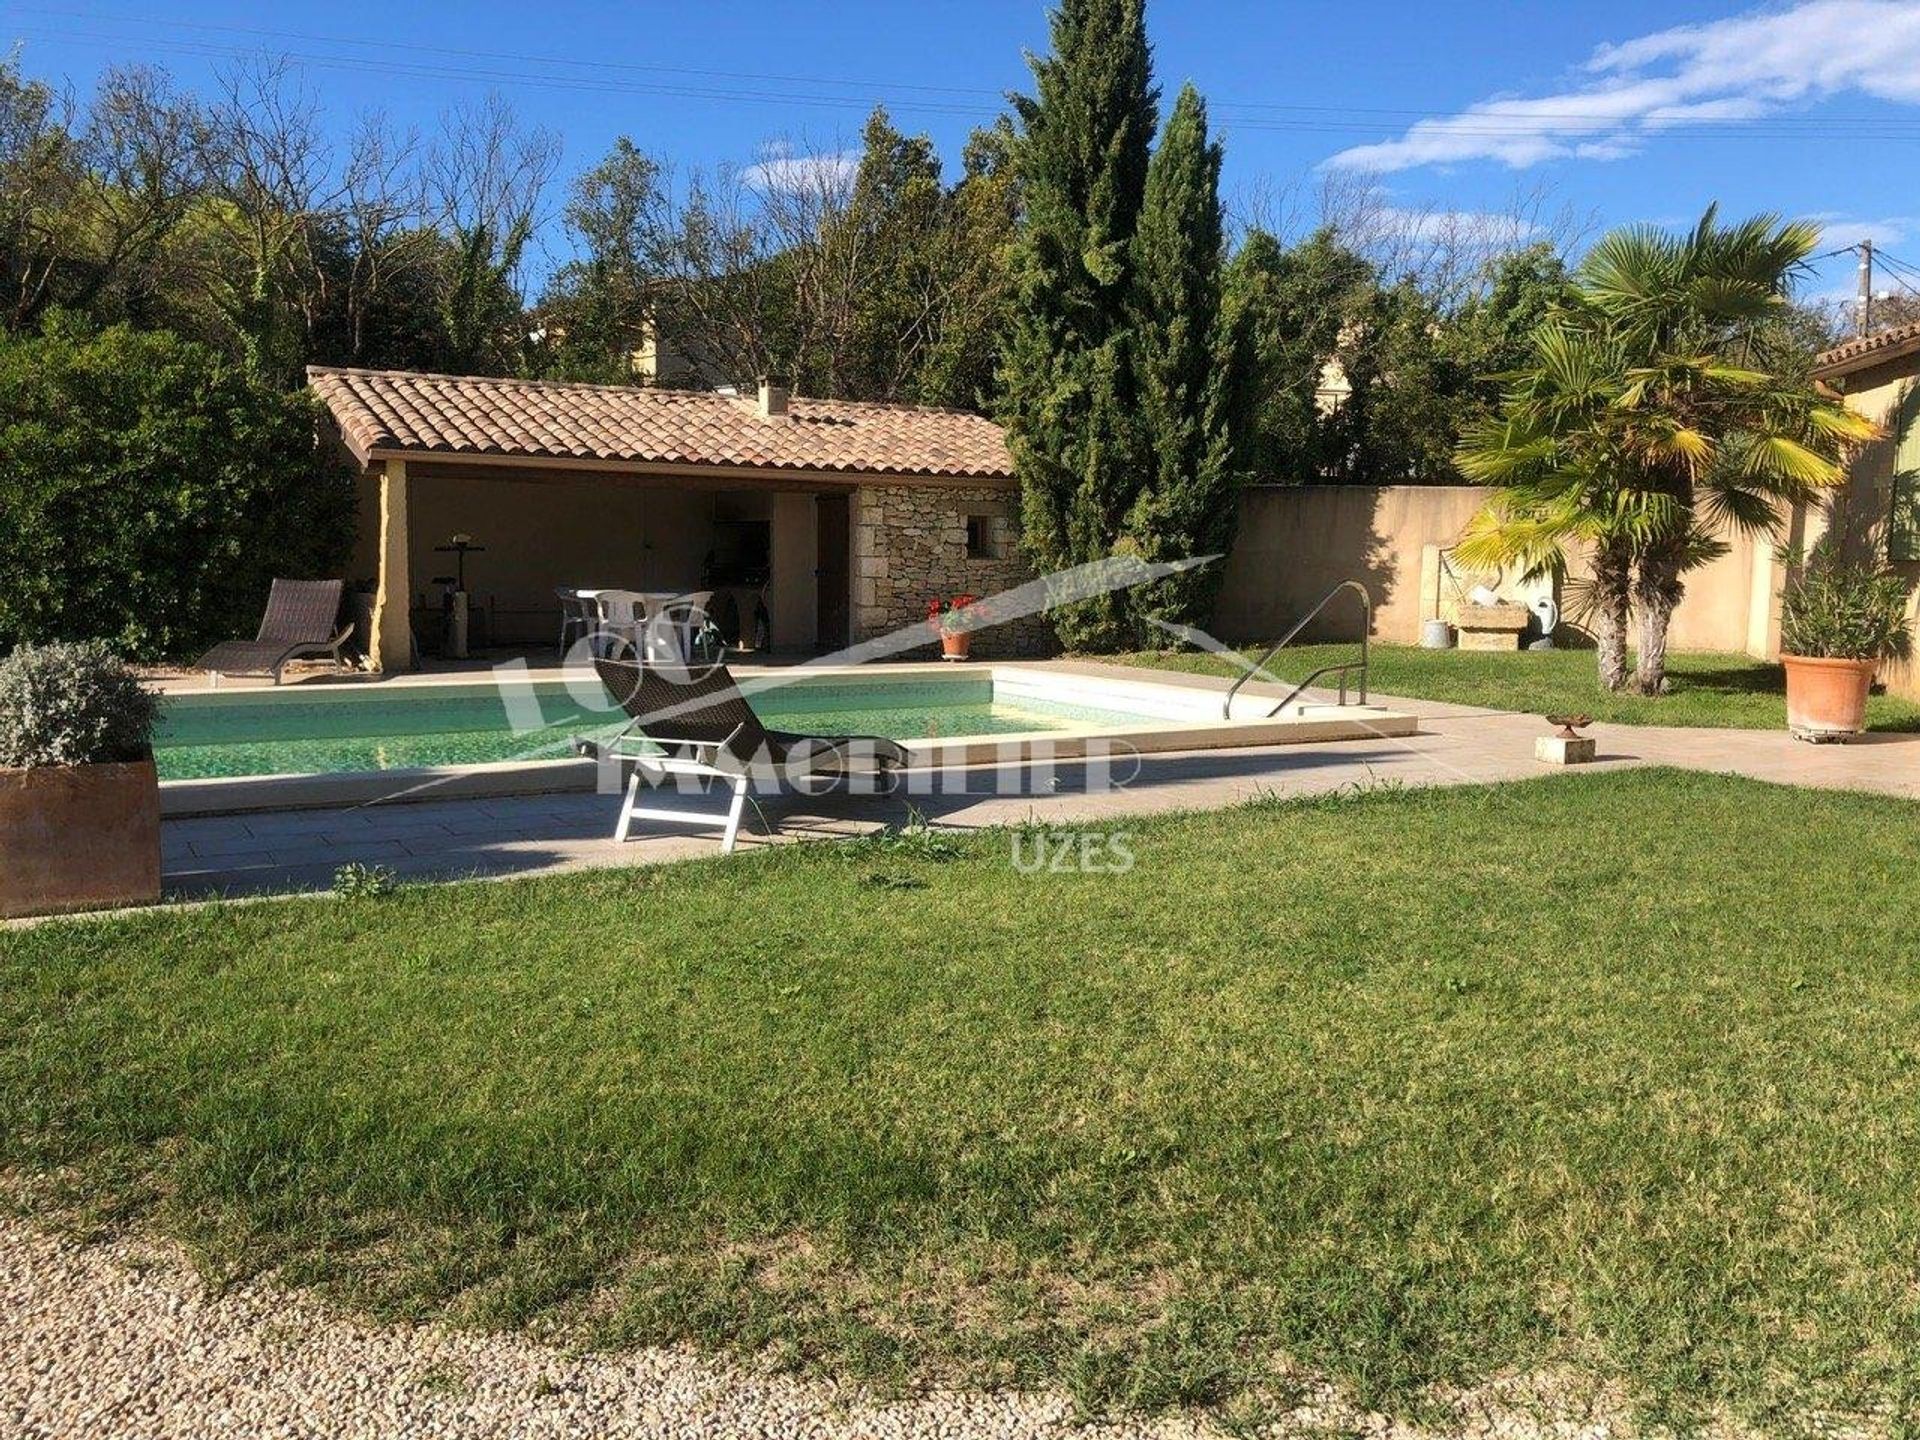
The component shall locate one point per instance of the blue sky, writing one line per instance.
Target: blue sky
(1627, 110)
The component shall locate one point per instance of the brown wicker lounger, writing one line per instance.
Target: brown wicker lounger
(696, 722)
(300, 621)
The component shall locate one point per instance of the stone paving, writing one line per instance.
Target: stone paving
(300, 850)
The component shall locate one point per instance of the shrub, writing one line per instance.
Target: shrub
(150, 490)
(72, 705)
(1837, 611)
(357, 881)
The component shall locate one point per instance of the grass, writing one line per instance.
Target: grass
(1706, 688)
(1616, 1075)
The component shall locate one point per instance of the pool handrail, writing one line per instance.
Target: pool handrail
(1341, 668)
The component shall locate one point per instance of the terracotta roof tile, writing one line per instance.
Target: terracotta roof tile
(1865, 350)
(399, 412)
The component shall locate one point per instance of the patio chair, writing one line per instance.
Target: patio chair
(619, 621)
(676, 628)
(697, 723)
(577, 616)
(301, 620)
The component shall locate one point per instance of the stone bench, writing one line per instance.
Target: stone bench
(1491, 627)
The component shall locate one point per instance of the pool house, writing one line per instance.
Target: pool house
(830, 521)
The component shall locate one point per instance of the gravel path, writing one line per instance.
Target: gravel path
(120, 1339)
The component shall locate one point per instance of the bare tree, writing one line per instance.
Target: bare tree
(485, 179)
(1279, 209)
(806, 207)
(144, 146)
(384, 214)
(723, 307)
(274, 169)
(40, 175)
(1447, 253)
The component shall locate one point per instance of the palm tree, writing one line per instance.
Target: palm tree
(1661, 408)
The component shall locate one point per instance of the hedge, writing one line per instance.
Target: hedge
(150, 490)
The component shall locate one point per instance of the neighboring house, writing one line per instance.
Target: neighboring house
(1879, 510)
(848, 517)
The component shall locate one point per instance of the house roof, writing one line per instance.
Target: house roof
(385, 414)
(1866, 350)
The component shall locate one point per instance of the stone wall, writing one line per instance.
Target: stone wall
(910, 546)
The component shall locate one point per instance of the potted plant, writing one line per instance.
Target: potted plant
(79, 799)
(1838, 622)
(952, 616)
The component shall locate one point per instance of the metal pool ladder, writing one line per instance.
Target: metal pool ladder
(1341, 668)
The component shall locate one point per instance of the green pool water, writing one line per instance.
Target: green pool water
(350, 728)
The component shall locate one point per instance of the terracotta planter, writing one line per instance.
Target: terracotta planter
(1827, 699)
(954, 643)
(79, 837)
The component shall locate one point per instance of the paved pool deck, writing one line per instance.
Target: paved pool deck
(294, 851)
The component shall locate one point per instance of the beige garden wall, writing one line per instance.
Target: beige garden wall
(1296, 542)
(1859, 522)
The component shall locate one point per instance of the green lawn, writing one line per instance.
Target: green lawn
(1707, 689)
(1614, 1073)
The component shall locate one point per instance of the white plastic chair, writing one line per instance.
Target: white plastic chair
(675, 624)
(620, 615)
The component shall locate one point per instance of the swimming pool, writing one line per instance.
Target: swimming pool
(349, 728)
(223, 752)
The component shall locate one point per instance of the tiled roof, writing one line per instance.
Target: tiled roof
(384, 413)
(1865, 350)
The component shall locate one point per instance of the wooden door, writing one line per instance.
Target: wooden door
(833, 581)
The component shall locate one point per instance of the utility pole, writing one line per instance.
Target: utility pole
(1863, 307)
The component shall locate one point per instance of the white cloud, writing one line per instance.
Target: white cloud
(1466, 227)
(783, 171)
(1741, 69)
(1840, 229)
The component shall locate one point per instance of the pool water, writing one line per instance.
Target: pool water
(388, 728)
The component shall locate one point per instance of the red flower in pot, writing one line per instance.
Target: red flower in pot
(952, 616)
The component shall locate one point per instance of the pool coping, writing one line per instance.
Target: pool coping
(1305, 723)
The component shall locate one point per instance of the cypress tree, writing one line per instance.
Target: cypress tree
(1186, 370)
(1066, 364)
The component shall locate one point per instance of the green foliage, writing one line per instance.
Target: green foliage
(1186, 371)
(602, 303)
(72, 704)
(1357, 382)
(1491, 334)
(1289, 308)
(150, 490)
(1661, 407)
(1066, 368)
(358, 881)
(895, 220)
(480, 309)
(1839, 611)
(958, 366)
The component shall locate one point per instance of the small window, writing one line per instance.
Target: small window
(980, 537)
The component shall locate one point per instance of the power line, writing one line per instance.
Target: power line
(1314, 119)
(1898, 270)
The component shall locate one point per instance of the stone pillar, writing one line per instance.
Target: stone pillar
(392, 647)
(1431, 599)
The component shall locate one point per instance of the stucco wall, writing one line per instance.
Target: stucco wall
(587, 531)
(910, 546)
(539, 534)
(1297, 542)
(1858, 521)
